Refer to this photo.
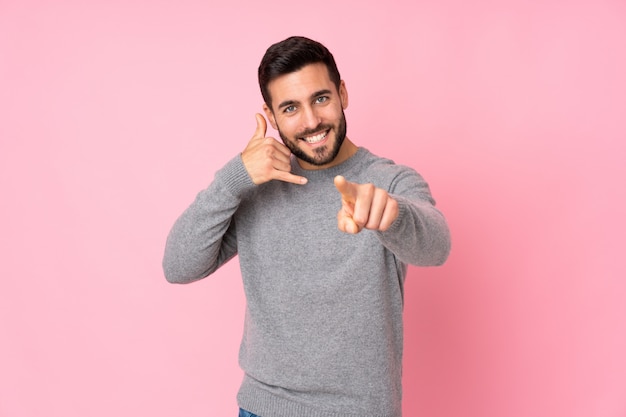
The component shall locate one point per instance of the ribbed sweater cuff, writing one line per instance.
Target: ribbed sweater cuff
(234, 178)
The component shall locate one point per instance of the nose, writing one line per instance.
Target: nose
(310, 118)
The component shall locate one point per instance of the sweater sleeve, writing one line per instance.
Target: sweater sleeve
(420, 234)
(203, 238)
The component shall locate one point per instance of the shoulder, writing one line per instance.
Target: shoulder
(385, 170)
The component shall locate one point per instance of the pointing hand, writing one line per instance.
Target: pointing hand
(364, 206)
(266, 159)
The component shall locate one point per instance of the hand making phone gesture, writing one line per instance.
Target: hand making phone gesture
(267, 159)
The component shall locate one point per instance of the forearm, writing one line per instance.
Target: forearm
(419, 235)
(203, 238)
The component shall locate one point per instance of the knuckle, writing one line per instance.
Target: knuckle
(382, 194)
(368, 189)
(360, 219)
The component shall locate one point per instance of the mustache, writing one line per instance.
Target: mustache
(318, 129)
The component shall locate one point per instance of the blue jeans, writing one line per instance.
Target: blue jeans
(244, 413)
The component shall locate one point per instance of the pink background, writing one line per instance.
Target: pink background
(114, 114)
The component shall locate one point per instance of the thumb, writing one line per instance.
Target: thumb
(261, 127)
(346, 189)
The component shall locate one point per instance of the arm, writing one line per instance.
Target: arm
(419, 236)
(203, 238)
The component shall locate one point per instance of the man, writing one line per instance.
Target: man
(324, 231)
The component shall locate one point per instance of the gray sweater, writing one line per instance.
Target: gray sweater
(323, 325)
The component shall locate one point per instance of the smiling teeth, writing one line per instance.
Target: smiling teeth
(316, 138)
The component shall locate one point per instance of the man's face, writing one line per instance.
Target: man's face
(307, 111)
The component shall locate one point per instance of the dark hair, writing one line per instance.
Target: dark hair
(291, 55)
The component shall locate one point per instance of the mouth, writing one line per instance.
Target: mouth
(315, 139)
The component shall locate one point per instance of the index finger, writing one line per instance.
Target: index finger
(346, 188)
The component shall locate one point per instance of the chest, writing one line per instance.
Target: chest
(288, 224)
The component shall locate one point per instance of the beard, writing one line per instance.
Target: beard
(322, 155)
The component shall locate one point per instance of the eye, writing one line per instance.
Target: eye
(321, 99)
(289, 109)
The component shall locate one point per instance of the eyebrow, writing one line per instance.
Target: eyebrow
(288, 103)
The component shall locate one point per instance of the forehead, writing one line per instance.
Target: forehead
(301, 84)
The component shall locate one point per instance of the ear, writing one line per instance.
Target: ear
(343, 94)
(270, 116)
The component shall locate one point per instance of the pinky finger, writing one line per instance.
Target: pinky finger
(390, 214)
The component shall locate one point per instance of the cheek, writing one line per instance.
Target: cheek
(332, 113)
(288, 126)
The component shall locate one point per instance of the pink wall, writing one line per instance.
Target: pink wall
(113, 114)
